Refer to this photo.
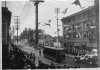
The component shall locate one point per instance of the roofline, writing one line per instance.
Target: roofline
(78, 12)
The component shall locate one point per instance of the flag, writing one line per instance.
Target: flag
(47, 24)
(77, 2)
(49, 21)
(64, 11)
(58, 29)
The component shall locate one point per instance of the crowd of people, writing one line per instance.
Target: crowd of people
(75, 51)
(22, 60)
(54, 66)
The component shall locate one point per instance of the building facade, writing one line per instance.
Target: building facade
(79, 29)
(6, 19)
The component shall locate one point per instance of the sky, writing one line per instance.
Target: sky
(25, 9)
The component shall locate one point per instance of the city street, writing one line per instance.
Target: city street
(69, 59)
(50, 34)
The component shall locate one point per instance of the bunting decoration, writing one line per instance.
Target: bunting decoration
(47, 24)
(64, 11)
(77, 2)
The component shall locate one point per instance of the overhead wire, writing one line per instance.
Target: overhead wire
(31, 11)
(26, 6)
(27, 13)
(26, 10)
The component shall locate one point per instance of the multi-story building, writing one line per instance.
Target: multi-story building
(79, 29)
(6, 19)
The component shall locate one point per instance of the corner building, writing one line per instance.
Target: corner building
(79, 29)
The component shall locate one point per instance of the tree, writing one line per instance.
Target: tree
(24, 34)
(29, 34)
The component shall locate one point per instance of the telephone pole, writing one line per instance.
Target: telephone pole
(36, 4)
(17, 25)
(13, 34)
(57, 10)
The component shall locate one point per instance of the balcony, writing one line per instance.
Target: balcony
(77, 40)
(78, 30)
(77, 21)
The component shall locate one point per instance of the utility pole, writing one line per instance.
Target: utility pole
(57, 11)
(17, 26)
(13, 34)
(36, 4)
(36, 35)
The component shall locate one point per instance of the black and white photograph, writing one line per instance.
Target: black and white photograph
(50, 34)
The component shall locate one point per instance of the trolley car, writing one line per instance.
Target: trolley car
(53, 53)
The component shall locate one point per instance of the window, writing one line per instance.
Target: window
(84, 34)
(77, 26)
(85, 24)
(74, 35)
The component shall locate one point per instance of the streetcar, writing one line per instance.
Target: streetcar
(53, 53)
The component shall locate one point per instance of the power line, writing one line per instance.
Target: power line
(27, 13)
(30, 10)
(26, 9)
(25, 6)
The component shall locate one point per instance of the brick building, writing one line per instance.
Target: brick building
(79, 29)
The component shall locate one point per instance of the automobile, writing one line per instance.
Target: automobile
(89, 58)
